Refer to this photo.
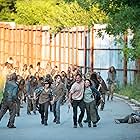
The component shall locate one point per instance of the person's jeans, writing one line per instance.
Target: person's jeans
(11, 106)
(81, 105)
(92, 112)
(43, 110)
(56, 109)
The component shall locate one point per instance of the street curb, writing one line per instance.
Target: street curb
(121, 96)
(134, 104)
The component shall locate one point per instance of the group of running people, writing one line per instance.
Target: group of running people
(44, 89)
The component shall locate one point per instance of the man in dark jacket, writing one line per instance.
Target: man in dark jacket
(9, 100)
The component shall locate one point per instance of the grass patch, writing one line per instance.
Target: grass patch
(132, 91)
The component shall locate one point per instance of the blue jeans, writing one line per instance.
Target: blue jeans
(56, 109)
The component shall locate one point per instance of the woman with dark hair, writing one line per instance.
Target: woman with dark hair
(58, 91)
(70, 81)
(21, 94)
(44, 93)
(111, 80)
(31, 86)
(64, 81)
(90, 99)
(94, 80)
(50, 79)
(37, 75)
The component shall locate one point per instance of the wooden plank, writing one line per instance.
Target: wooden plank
(28, 51)
(85, 50)
(19, 45)
(32, 48)
(40, 46)
(59, 51)
(64, 48)
(77, 43)
(23, 47)
(14, 43)
(4, 49)
(68, 47)
(73, 49)
(92, 50)
(54, 50)
(0, 44)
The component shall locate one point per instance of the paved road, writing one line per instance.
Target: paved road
(29, 127)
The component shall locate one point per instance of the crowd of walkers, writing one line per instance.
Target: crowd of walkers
(46, 90)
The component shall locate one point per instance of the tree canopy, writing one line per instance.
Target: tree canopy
(57, 14)
(7, 8)
(122, 15)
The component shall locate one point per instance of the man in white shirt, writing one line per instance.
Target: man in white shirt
(76, 100)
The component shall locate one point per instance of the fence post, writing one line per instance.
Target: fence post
(92, 50)
(32, 48)
(59, 51)
(77, 43)
(3, 44)
(125, 61)
(50, 45)
(64, 49)
(0, 44)
(85, 51)
(28, 62)
(68, 47)
(54, 49)
(72, 48)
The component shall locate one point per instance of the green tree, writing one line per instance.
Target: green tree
(57, 14)
(7, 10)
(122, 15)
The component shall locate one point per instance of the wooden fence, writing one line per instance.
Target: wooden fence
(20, 42)
(30, 44)
(76, 46)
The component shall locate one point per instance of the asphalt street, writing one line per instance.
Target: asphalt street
(30, 128)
